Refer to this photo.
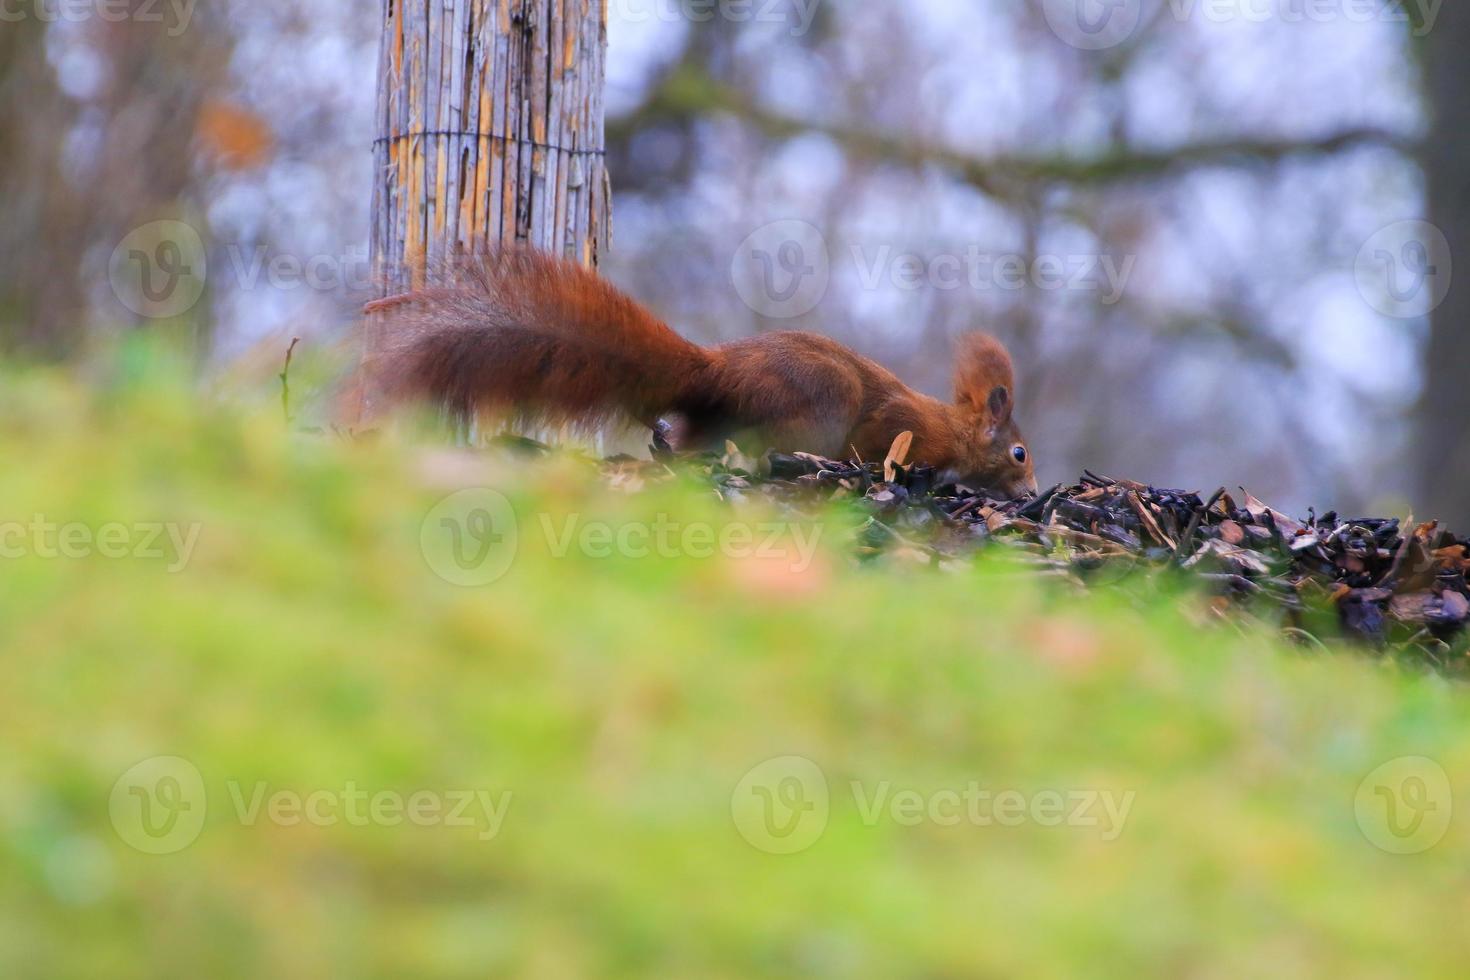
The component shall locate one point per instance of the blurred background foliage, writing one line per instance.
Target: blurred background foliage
(1239, 165)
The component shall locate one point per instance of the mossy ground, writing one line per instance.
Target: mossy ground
(307, 646)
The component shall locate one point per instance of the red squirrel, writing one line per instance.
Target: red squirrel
(522, 331)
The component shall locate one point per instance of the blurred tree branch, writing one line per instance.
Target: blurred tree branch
(689, 92)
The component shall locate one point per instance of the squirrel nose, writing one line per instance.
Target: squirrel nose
(1022, 489)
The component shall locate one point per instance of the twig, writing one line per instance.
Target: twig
(1187, 538)
(285, 377)
(1149, 523)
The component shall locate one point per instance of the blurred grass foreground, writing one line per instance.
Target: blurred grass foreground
(279, 704)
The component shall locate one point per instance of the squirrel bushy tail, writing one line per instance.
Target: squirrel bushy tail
(522, 331)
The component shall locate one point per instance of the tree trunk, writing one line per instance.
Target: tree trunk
(66, 214)
(490, 131)
(1444, 413)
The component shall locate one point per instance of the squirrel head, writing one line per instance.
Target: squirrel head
(992, 453)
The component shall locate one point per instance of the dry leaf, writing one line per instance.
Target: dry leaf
(898, 454)
(238, 138)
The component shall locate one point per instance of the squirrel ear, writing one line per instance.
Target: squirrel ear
(1000, 406)
(984, 378)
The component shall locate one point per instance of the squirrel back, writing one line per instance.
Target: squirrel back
(520, 331)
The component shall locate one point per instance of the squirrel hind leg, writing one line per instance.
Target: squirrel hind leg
(671, 434)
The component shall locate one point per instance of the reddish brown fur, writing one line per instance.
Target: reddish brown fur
(530, 333)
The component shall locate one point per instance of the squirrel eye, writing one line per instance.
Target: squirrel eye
(1019, 453)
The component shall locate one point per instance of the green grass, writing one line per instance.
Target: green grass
(307, 645)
